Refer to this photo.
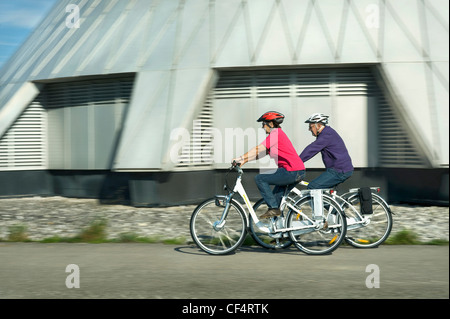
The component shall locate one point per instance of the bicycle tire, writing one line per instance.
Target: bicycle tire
(218, 241)
(276, 241)
(317, 241)
(375, 230)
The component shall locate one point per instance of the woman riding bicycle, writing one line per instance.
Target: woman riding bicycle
(290, 167)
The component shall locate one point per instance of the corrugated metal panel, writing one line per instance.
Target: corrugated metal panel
(23, 145)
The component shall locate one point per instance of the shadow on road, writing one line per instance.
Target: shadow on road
(194, 250)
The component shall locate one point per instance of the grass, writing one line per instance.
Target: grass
(408, 237)
(18, 233)
(96, 233)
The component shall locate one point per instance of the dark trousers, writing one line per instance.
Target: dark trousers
(329, 179)
(281, 178)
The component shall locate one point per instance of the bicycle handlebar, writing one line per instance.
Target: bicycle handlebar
(237, 166)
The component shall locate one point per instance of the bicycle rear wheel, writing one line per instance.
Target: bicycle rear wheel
(215, 239)
(269, 241)
(367, 231)
(317, 240)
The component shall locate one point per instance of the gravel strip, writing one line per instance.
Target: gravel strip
(44, 217)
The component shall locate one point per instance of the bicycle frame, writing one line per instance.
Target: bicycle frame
(351, 222)
(239, 188)
(342, 200)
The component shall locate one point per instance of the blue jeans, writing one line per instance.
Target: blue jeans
(329, 179)
(281, 178)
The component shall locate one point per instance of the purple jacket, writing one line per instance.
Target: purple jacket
(332, 147)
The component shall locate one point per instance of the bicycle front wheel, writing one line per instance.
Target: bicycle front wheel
(269, 241)
(213, 238)
(367, 231)
(310, 238)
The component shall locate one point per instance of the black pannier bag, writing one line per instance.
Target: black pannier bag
(365, 198)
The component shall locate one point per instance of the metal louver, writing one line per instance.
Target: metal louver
(198, 152)
(85, 119)
(82, 118)
(395, 146)
(292, 83)
(23, 146)
(89, 92)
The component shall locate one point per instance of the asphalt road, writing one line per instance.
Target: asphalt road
(34, 270)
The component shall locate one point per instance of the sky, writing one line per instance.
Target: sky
(18, 19)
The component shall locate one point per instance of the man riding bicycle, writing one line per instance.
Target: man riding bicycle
(290, 166)
(335, 156)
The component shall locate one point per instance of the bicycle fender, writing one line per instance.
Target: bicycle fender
(384, 202)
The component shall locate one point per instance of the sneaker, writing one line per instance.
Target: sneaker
(271, 212)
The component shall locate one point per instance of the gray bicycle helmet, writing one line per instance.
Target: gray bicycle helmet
(318, 118)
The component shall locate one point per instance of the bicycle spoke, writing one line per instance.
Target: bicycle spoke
(375, 227)
(228, 236)
(318, 239)
(214, 240)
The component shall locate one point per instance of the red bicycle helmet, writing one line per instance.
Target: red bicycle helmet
(277, 117)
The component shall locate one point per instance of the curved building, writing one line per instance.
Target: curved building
(147, 101)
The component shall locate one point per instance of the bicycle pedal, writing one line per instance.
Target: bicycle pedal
(333, 240)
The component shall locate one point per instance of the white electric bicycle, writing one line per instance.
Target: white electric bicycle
(312, 220)
(363, 230)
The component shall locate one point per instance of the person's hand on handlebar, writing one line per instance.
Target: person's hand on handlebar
(238, 161)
